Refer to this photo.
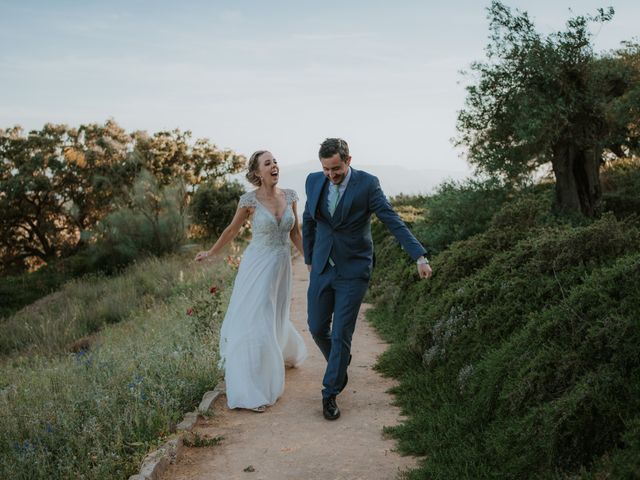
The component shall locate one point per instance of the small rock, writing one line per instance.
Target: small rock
(188, 422)
(250, 469)
(209, 398)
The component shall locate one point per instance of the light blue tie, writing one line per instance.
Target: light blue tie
(334, 198)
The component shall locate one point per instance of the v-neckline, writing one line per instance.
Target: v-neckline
(274, 215)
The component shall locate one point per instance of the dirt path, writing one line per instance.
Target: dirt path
(292, 440)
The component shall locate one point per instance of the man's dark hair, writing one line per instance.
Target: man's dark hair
(331, 146)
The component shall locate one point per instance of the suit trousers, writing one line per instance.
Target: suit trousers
(333, 303)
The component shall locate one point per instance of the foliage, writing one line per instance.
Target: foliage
(621, 186)
(538, 100)
(199, 441)
(458, 210)
(59, 182)
(214, 204)
(171, 155)
(16, 291)
(152, 221)
(55, 183)
(95, 413)
(519, 358)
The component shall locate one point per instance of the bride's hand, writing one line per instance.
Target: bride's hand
(202, 256)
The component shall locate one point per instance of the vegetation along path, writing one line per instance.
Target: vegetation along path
(292, 440)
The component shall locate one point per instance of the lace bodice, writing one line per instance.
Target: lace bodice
(266, 229)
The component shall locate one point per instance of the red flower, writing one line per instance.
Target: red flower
(213, 290)
(189, 311)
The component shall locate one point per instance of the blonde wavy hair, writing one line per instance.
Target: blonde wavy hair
(254, 165)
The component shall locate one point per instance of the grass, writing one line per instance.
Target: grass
(83, 306)
(96, 412)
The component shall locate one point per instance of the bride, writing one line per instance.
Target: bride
(257, 338)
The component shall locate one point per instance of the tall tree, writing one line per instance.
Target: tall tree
(172, 154)
(549, 99)
(58, 182)
(55, 184)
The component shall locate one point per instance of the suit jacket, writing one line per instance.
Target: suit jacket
(346, 236)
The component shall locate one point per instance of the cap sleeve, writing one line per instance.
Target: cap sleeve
(247, 200)
(291, 196)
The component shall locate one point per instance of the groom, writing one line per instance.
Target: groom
(338, 251)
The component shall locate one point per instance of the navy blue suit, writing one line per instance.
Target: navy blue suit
(337, 291)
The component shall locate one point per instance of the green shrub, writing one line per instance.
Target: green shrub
(620, 187)
(214, 205)
(16, 291)
(459, 210)
(153, 222)
(519, 358)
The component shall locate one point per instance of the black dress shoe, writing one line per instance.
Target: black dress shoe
(330, 409)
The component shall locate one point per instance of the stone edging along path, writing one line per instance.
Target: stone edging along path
(156, 463)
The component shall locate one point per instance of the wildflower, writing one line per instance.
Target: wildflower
(24, 448)
(137, 380)
(83, 356)
(213, 290)
(189, 311)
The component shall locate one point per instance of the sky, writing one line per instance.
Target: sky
(277, 75)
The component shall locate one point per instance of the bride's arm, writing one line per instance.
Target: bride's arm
(229, 233)
(296, 236)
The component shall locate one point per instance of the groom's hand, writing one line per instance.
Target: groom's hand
(424, 269)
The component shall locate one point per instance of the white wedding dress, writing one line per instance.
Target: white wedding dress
(257, 338)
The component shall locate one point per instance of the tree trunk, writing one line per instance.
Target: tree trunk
(577, 172)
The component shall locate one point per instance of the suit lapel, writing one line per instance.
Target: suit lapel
(316, 194)
(349, 194)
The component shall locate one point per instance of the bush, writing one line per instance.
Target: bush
(16, 291)
(153, 222)
(459, 210)
(214, 204)
(620, 187)
(519, 358)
